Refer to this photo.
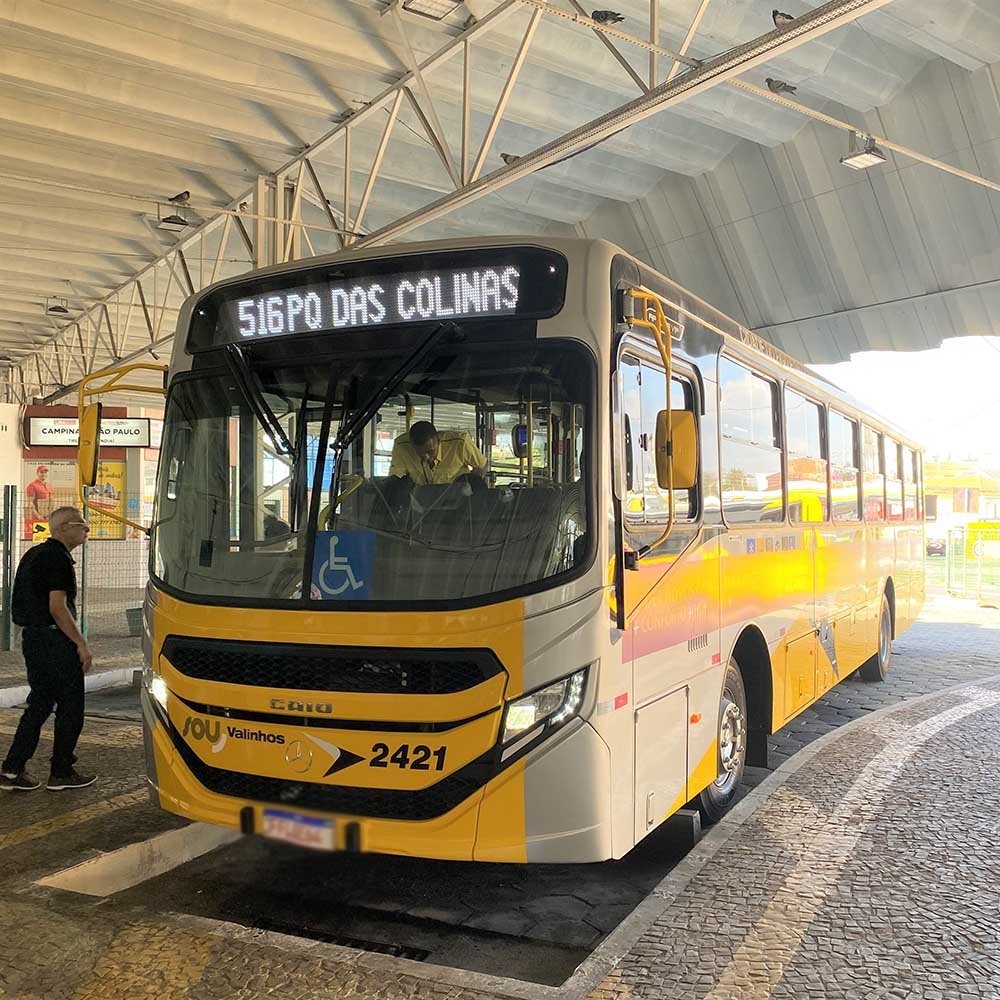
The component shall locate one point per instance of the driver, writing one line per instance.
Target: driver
(428, 456)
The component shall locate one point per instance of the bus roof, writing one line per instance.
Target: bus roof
(704, 312)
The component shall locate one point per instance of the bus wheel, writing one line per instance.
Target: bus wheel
(875, 668)
(714, 801)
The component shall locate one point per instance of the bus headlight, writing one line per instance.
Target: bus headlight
(549, 706)
(156, 686)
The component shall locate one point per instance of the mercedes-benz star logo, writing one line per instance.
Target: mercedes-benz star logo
(299, 757)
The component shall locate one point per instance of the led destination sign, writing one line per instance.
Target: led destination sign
(508, 282)
(401, 298)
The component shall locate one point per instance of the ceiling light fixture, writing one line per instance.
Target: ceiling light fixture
(436, 10)
(56, 307)
(172, 223)
(859, 158)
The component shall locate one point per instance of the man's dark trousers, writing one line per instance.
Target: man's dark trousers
(56, 681)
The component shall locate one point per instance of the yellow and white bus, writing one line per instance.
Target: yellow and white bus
(681, 539)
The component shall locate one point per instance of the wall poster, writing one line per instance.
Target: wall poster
(107, 493)
(50, 484)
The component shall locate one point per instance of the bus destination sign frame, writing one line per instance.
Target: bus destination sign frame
(505, 283)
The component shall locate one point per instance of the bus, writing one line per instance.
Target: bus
(642, 541)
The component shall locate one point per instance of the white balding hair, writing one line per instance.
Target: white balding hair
(61, 515)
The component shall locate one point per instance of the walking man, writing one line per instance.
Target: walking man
(55, 654)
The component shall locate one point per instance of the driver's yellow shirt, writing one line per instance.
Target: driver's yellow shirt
(456, 454)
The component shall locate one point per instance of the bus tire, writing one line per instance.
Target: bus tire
(876, 667)
(715, 801)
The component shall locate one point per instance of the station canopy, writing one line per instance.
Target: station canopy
(151, 146)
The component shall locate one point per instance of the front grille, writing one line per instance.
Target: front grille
(325, 722)
(427, 803)
(301, 667)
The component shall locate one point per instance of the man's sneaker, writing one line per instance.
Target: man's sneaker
(60, 782)
(22, 782)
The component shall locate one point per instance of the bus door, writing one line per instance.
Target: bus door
(667, 608)
(645, 505)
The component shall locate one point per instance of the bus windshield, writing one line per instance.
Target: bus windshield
(466, 481)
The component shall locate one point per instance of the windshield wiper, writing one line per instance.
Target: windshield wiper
(349, 429)
(351, 426)
(299, 486)
(248, 382)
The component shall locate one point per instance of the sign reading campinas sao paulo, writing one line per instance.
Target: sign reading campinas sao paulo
(116, 432)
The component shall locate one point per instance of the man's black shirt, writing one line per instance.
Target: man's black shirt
(42, 569)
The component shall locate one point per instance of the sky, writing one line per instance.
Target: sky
(948, 398)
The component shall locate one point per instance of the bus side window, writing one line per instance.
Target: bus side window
(653, 395)
(751, 446)
(893, 480)
(806, 459)
(634, 505)
(844, 468)
(911, 485)
(629, 456)
(873, 486)
(921, 488)
(647, 507)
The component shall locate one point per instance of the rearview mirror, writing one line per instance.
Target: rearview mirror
(89, 448)
(685, 450)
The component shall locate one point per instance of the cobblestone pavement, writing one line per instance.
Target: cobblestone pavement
(866, 867)
(871, 872)
(943, 650)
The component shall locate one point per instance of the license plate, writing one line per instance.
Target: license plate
(294, 828)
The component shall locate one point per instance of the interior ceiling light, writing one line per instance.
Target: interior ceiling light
(56, 307)
(436, 10)
(861, 158)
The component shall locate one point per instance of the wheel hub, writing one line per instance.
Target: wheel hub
(884, 640)
(732, 742)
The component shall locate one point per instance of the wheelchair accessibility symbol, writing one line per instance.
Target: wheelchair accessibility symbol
(343, 564)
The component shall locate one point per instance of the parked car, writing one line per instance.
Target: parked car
(935, 546)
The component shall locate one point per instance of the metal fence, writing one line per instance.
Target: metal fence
(973, 564)
(111, 569)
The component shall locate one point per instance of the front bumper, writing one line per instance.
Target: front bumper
(551, 805)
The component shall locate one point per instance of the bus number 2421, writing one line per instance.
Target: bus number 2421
(414, 758)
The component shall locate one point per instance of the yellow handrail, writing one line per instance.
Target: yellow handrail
(113, 383)
(661, 334)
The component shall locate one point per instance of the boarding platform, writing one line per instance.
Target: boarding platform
(863, 865)
(116, 664)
